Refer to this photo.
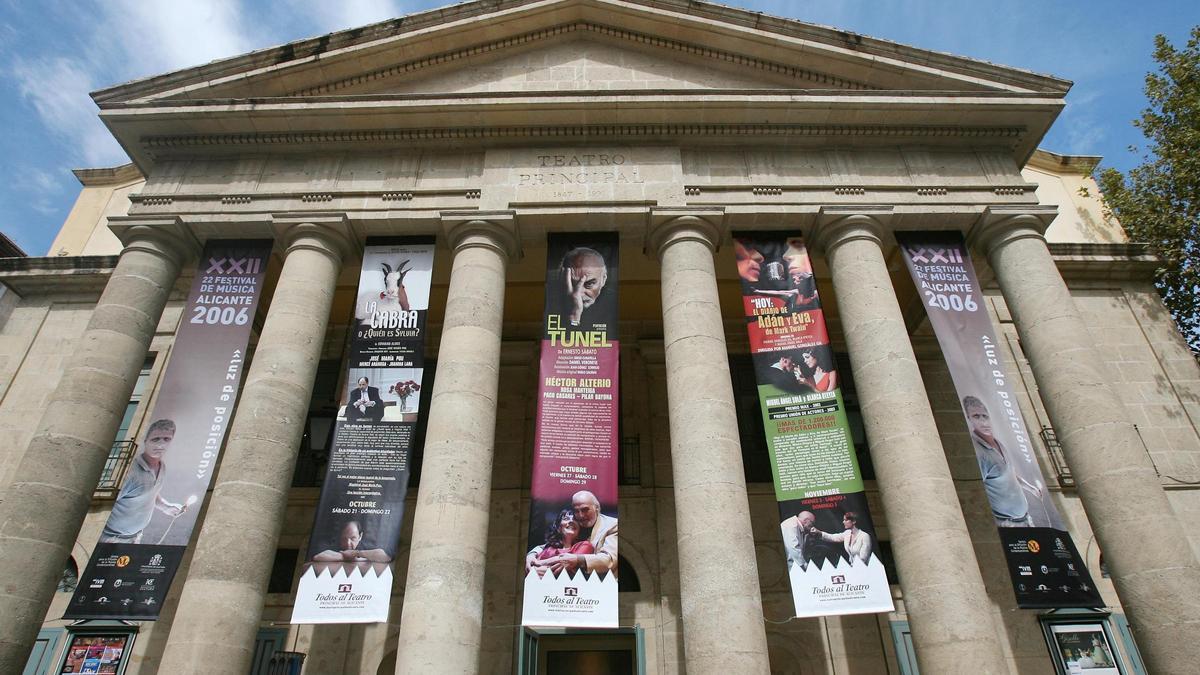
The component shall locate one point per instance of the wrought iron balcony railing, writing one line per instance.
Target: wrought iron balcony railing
(115, 466)
(1054, 449)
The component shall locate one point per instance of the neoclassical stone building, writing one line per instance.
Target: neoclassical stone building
(673, 123)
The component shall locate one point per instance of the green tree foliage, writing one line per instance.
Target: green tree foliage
(1159, 201)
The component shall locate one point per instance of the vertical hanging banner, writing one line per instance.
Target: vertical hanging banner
(571, 563)
(347, 573)
(155, 510)
(1044, 564)
(831, 544)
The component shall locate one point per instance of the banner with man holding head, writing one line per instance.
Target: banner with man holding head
(570, 564)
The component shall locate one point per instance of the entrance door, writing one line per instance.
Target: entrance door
(906, 656)
(566, 651)
(43, 651)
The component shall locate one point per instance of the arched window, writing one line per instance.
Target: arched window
(627, 578)
(70, 577)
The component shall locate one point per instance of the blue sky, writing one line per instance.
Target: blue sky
(53, 52)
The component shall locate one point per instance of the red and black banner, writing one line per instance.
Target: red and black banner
(1044, 564)
(829, 538)
(571, 561)
(155, 510)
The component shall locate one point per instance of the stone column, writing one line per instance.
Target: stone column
(221, 605)
(1144, 542)
(721, 600)
(944, 595)
(442, 620)
(41, 512)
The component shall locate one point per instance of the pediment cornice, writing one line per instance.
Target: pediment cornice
(752, 39)
(854, 118)
(995, 135)
(349, 88)
(803, 77)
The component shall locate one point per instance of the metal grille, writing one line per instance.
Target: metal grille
(115, 466)
(1054, 449)
(286, 663)
(631, 460)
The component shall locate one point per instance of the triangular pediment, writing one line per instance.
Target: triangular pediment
(559, 67)
(584, 63)
(737, 48)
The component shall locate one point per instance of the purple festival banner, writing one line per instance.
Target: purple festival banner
(155, 510)
(1044, 564)
(571, 563)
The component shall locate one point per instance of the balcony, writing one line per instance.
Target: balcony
(115, 466)
(1054, 449)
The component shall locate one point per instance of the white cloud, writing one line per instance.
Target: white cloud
(128, 39)
(57, 89)
(42, 191)
(1084, 132)
(332, 16)
(155, 36)
(1085, 136)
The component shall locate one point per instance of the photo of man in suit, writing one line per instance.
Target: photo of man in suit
(364, 404)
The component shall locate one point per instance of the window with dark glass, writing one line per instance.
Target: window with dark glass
(756, 462)
(418, 443)
(854, 416)
(123, 448)
(889, 562)
(627, 578)
(135, 399)
(313, 455)
(70, 577)
(282, 570)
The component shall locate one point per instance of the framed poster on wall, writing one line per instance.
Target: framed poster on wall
(102, 651)
(1082, 645)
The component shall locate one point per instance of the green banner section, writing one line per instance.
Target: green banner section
(812, 449)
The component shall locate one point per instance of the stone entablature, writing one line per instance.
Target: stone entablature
(549, 186)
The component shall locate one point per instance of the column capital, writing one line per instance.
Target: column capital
(669, 225)
(837, 225)
(1002, 224)
(327, 233)
(496, 230)
(164, 236)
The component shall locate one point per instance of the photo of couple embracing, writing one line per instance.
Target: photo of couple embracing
(579, 538)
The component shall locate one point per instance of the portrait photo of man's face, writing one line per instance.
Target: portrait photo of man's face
(588, 270)
(158, 441)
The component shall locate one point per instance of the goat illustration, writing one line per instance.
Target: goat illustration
(393, 286)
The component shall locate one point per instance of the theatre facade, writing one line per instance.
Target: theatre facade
(489, 130)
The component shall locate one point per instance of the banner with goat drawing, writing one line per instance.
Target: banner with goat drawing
(347, 573)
